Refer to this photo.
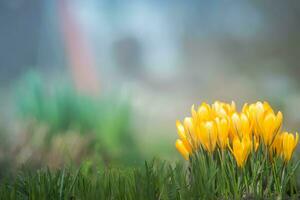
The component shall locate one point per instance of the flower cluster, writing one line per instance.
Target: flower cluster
(220, 126)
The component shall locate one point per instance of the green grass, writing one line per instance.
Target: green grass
(154, 180)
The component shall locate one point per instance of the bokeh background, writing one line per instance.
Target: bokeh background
(98, 83)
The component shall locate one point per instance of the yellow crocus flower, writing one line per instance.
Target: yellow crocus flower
(276, 147)
(245, 109)
(223, 131)
(240, 125)
(241, 150)
(271, 125)
(180, 130)
(189, 127)
(223, 110)
(256, 113)
(258, 109)
(204, 112)
(230, 108)
(194, 114)
(220, 124)
(235, 125)
(182, 149)
(219, 110)
(208, 135)
(289, 143)
(183, 137)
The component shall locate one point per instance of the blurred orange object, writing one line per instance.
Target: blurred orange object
(79, 53)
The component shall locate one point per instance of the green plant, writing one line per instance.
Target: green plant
(155, 180)
(245, 150)
(107, 119)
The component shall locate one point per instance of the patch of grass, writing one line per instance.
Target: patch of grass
(155, 180)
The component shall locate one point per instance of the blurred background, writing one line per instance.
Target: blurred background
(98, 83)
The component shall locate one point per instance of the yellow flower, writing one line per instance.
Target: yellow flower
(190, 130)
(204, 112)
(258, 110)
(289, 143)
(271, 125)
(208, 135)
(223, 131)
(223, 110)
(230, 108)
(240, 125)
(219, 110)
(277, 145)
(256, 113)
(251, 121)
(264, 121)
(180, 130)
(241, 150)
(183, 137)
(220, 126)
(182, 149)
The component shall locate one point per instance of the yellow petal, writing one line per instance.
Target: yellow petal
(180, 130)
(194, 113)
(268, 128)
(223, 131)
(232, 106)
(289, 144)
(181, 148)
(245, 125)
(189, 126)
(278, 120)
(267, 106)
(208, 135)
(204, 111)
(236, 125)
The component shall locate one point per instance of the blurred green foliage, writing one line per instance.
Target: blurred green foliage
(107, 118)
